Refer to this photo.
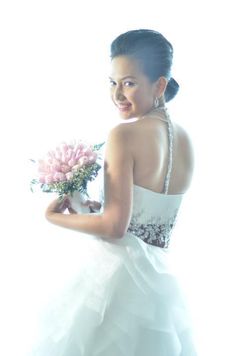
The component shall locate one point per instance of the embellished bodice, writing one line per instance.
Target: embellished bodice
(153, 216)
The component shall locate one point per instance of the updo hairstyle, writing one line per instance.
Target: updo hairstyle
(153, 52)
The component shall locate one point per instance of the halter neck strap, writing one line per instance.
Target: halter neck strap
(167, 119)
(170, 154)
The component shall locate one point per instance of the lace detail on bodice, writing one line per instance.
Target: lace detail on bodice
(155, 231)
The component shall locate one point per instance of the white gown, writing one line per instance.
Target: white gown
(126, 301)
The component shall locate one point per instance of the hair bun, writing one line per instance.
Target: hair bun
(171, 89)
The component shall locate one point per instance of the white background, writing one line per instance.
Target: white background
(54, 86)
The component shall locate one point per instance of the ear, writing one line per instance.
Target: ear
(160, 86)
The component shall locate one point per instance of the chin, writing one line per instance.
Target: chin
(127, 116)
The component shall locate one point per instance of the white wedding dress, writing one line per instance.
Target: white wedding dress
(125, 301)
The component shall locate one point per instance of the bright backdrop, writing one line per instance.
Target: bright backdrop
(54, 86)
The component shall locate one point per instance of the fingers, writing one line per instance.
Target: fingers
(71, 210)
(92, 204)
(96, 205)
(86, 203)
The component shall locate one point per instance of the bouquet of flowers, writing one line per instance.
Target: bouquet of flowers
(68, 169)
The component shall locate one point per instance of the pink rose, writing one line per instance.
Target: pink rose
(93, 157)
(87, 151)
(68, 154)
(69, 175)
(79, 147)
(64, 158)
(71, 162)
(76, 167)
(56, 165)
(64, 168)
(49, 179)
(78, 155)
(83, 161)
(42, 179)
(59, 177)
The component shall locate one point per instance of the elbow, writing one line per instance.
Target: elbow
(117, 234)
(118, 230)
(115, 230)
(116, 225)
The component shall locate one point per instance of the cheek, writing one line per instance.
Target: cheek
(142, 99)
(135, 96)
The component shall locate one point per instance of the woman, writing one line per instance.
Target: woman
(127, 302)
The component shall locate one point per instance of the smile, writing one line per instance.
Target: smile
(123, 107)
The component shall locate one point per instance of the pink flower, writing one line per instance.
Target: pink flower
(83, 161)
(63, 164)
(76, 167)
(79, 147)
(58, 155)
(42, 179)
(78, 155)
(69, 175)
(56, 165)
(49, 179)
(93, 157)
(64, 168)
(68, 154)
(64, 158)
(71, 162)
(87, 152)
(59, 177)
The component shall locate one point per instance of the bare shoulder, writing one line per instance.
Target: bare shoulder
(117, 143)
(120, 134)
(183, 137)
(119, 130)
(184, 150)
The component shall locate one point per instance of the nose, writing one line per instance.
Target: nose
(118, 93)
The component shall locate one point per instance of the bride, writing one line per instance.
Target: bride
(127, 301)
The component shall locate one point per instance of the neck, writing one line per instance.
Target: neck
(157, 111)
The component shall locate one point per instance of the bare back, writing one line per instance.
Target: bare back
(149, 144)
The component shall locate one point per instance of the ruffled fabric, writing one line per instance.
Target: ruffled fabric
(124, 302)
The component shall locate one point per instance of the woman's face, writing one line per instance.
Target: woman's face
(131, 90)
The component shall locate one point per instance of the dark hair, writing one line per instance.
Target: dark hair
(154, 53)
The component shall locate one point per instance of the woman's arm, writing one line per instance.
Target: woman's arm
(118, 193)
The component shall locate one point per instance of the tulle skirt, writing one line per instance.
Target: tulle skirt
(123, 301)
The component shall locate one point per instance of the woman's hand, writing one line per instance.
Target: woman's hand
(60, 205)
(75, 221)
(93, 205)
(57, 206)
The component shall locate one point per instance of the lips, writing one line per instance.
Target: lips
(123, 107)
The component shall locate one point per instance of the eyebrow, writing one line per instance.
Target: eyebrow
(127, 76)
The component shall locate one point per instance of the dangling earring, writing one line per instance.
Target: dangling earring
(156, 103)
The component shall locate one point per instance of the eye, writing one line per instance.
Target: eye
(129, 84)
(112, 83)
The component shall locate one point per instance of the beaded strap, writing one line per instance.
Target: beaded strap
(167, 119)
(170, 149)
(170, 138)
